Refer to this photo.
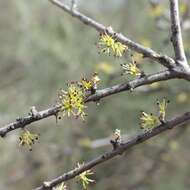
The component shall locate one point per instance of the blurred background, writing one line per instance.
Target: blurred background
(42, 48)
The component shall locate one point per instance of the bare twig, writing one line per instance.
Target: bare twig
(147, 52)
(176, 31)
(177, 36)
(140, 138)
(23, 121)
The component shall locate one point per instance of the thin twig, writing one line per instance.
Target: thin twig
(176, 31)
(177, 36)
(140, 138)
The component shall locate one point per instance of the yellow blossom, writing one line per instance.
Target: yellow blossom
(90, 84)
(132, 69)
(27, 138)
(162, 106)
(148, 121)
(118, 49)
(86, 84)
(106, 43)
(72, 101)
(95, 78)
(110, 45)
(84, 177)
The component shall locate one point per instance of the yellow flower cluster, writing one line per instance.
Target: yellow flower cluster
(90, 84)
(84, 177)
(131, 68)
(109, 45)
(148, 121)
(27, 138)
(72, 101)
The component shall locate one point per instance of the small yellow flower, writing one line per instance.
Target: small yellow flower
(90, 84)
(106, 43)
(84, 177)
(86, 84)
(95, 78)
(118, 49)
(132, 69)
(162, 106)
(27, 138)
(110, 45)
(61, 187)
(72, 101)
(148, 121)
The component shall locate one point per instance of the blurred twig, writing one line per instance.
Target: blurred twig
(177, 35)
(140, 138)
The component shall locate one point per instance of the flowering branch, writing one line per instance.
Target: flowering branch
(147, 52)
(140, 138)
(52, 111)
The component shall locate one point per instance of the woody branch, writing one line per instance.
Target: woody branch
(140, 138)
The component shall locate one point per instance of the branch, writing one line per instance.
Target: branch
(147, 52)
(157, 160)
(177, 35)
(140, 138)
(23, 121)
(176, 31)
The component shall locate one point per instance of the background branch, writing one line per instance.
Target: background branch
(176, 31)
(140, 138)
(158, 159)
(177, 35)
